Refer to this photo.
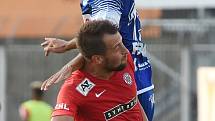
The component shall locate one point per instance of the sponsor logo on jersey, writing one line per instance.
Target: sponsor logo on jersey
(119, 109)
(62, 106)
(85, 86)
(99, 94)
(127, 78)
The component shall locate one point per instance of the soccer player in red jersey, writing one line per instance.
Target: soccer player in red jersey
(104, 89)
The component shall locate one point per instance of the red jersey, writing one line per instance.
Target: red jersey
(87, 98)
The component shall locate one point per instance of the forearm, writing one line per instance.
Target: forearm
(77, 62)
(71, 44)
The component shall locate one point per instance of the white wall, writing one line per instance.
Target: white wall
(173, 4)
(2, 83)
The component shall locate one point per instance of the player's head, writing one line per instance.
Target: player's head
(101, 43)
(37, 93)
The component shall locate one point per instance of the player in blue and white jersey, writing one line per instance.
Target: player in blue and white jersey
(124, 14)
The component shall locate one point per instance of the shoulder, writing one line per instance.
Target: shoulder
(75, 78)
(71, 82)
(78, 84)
(26, 106)
(27, 103)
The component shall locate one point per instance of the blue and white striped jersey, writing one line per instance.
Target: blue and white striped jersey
(124, 14)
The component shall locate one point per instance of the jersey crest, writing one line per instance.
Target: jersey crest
(127, 78)
(85, 86)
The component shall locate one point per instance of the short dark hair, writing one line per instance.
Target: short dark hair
(35, 87)
(90, 38)
(38, 93)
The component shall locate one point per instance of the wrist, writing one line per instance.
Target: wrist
(71, 45)
(67, 46)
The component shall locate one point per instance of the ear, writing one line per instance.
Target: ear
(97, 59)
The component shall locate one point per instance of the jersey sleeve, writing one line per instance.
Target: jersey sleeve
(108, 10)
(66, 101)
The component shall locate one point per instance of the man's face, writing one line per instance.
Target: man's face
(115, 58)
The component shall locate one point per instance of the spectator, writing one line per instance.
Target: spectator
(35, 109)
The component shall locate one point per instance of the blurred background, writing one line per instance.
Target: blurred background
(181, 43)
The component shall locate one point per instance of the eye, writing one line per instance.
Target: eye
(119, 46)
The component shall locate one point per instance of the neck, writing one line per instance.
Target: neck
(98, 71)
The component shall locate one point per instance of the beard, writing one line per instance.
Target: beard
(110, 67)
(120, 67)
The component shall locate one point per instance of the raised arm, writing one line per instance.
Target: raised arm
(75, 64)
(62, 118)
(56, 45)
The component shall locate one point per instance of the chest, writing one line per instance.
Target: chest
(106, 94)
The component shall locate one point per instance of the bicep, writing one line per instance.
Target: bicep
(62, 118)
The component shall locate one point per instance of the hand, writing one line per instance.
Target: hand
(54, 45)
(64, 73)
